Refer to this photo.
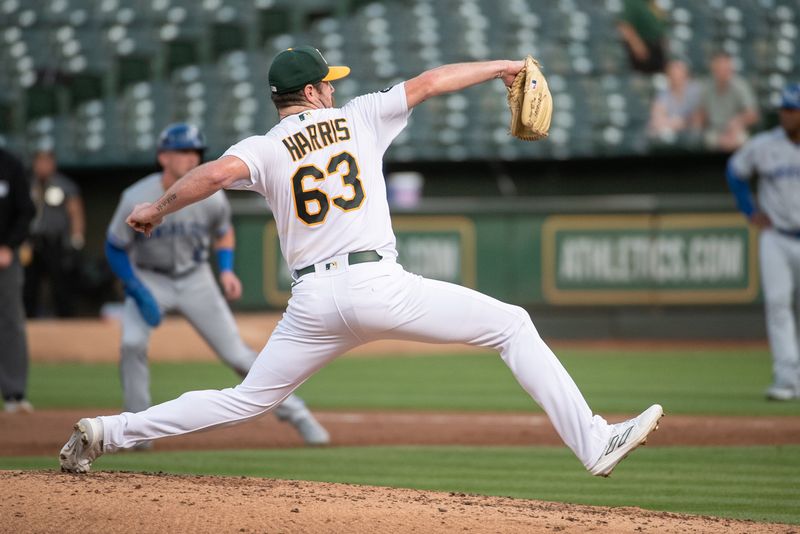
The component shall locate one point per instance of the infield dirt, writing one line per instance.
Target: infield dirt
(53, 502)
(45, 431)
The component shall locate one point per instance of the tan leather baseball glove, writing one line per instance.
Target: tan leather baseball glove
(530, 102)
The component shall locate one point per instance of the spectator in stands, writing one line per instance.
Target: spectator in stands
(674, 110)
(643, 26)
(16, 212)
(728, 107)
(57, 237)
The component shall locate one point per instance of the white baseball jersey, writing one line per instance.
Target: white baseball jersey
(336, 175)
(775, 159)
(182, 241)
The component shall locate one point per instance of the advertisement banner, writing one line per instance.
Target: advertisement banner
(649, 259)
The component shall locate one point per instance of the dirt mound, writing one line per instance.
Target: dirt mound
(48, 501)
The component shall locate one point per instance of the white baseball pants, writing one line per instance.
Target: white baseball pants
(332, 311)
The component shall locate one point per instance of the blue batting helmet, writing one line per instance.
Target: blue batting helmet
(181, 136)
(790, 98)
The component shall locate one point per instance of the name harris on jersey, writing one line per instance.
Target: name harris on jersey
(317, 136)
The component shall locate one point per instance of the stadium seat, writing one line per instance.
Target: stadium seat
(61, 59)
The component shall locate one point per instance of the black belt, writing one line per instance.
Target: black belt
(168, 272)
(352, 259)
(790, 233)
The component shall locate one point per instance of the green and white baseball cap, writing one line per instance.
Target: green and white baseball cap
(295, 67)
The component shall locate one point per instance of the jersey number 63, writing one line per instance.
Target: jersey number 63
(312, 204)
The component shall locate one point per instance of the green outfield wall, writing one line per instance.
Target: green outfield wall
(594, 252)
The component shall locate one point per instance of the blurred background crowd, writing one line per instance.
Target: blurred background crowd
(94, 80)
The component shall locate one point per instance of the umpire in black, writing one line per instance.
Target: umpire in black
(16, 212)
(57, 237)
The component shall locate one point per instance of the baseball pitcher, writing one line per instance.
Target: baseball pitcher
(170, 271)
(774, 158)
(320, 171)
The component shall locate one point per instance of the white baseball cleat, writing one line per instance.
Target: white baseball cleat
(18, 406)
(312, 432)
(143, 446)
(777, 393)
(85, 445)
(625, 437)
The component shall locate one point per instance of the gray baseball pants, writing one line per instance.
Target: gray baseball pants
(780, 281)
(198, 298)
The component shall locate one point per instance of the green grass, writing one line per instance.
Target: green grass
(758, 483)
(685, 382)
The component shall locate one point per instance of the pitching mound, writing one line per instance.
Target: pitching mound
(48, 501)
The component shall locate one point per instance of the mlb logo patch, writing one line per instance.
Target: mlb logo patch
(534, 83)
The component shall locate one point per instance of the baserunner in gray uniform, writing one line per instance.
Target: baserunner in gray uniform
(170, 271)
(773, 157)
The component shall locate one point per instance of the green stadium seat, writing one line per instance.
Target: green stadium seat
(41, 101)
(273, 21)
(48, 133)
(7, 118)
(58, 59)
(97, 137)
(143, 109)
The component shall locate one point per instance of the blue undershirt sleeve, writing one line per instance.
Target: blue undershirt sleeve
(120, 263)
(741, 190)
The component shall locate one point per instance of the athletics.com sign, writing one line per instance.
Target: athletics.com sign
(671, 259)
